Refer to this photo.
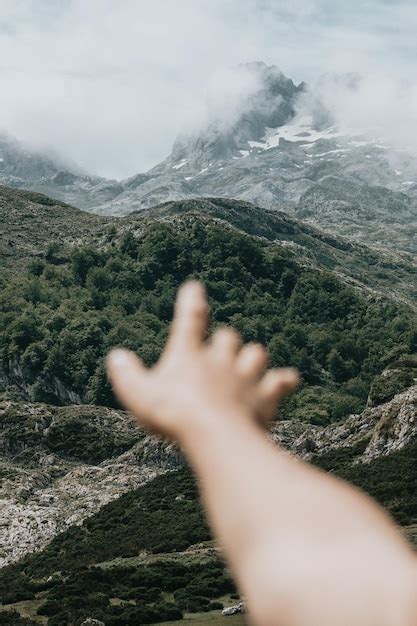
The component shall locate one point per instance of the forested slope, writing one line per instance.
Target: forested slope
(61, 316)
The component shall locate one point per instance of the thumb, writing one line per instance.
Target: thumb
(130, 381)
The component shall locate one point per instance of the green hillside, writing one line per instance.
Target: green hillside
(63, 314)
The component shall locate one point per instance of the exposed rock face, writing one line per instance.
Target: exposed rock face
(49, 483)
(396, 426)
(16, 375)
(386, 428)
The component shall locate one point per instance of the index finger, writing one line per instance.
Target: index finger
(130, 381)
(189, 326)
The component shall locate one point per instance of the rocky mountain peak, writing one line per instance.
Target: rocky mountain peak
(18, 162)
(268, 102)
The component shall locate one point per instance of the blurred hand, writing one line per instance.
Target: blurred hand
(198, 380)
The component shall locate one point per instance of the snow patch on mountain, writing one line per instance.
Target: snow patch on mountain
(299, 130)
(179, 165)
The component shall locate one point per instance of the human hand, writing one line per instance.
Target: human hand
(197, 381)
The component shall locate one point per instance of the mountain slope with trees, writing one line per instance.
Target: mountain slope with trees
(61, 316)
(76, 285)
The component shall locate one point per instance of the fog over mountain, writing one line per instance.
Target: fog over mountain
(110, 85)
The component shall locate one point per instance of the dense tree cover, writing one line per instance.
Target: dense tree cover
(60, 318)
(13, 618)
(150, 593)
(74, 609)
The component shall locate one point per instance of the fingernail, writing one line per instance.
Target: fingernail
(190, 290)
(118, 357)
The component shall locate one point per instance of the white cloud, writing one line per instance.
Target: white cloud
(383, 107)
(110, 84)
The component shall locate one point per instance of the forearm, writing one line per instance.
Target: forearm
(237, 468)
(288, 529)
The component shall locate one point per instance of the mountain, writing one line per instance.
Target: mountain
(25, 168)
(281, 150)
(272, 104)
(18, 164)
(343, 181)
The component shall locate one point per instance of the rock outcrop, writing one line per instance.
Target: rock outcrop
(384, 429)
(61, 464)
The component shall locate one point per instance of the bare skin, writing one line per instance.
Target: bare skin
(305, 549)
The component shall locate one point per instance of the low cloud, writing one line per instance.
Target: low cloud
(227, 94)
(380, 105)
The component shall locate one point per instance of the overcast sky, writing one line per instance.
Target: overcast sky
(110, 83)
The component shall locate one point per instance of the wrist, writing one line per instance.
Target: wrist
(208, 426)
